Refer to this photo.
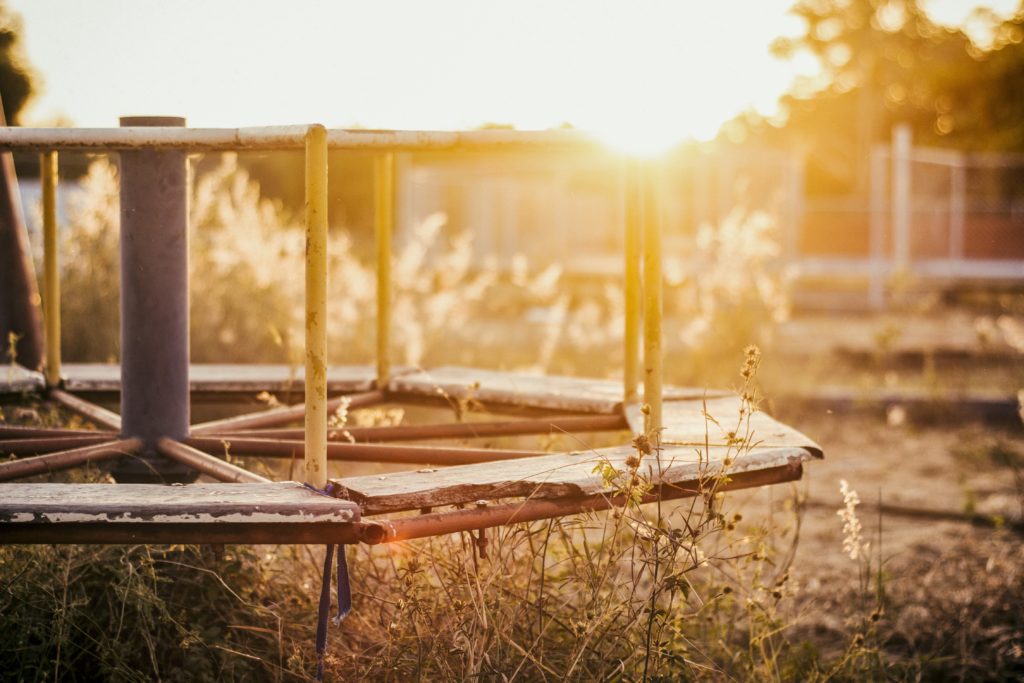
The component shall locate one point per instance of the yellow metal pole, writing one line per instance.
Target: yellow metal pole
(384, 213)
(51, 271)
(316, 306)
(632, 287)
(652, 281)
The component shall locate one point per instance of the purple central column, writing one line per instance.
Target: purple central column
(154, 305)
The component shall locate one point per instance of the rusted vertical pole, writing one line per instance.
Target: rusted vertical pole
(316, 306)
(384, 205)
(19, 293)
(652, 282)
(632, 286)
(154, 305)
(51, 269)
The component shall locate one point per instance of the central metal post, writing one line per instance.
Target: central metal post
(154, 305)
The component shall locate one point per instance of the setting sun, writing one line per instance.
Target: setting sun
(641, 75)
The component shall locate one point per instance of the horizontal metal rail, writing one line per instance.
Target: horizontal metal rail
(280, 138)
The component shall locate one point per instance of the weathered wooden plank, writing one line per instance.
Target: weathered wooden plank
(15, 379)
(555, 392)
(283, 502)
(686, 424)
(227, 378)
(553, 476)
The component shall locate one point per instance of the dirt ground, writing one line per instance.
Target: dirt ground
(943, 468)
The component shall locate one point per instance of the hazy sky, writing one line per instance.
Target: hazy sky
(634, 70)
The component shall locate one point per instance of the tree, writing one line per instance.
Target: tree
(17, 77)
(886, 61)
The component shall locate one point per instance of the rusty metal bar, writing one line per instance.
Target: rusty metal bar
(373, 532)
(652, 282)
(19, 304)
(316, 307)
(273, 417)
(632, 287)
(358, 452)
(41, 464)
(43, 433)
(51, 266)
(281, 138)
(207, 464)
(91, 411)
(41, 445)
(453, 430)
(384, 205)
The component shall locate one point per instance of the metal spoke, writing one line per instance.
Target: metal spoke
(207, 464)
(44, 432)
(51, 444)
(93, 412)
(41, 464)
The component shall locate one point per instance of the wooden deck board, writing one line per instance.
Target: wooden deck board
(562, 475)
(226, 378)
(686, 425)
(555, 392)
(275, 503)
(14, 379)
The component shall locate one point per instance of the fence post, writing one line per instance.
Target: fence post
(957, 210)
(154, 305)
(901, 194)
(876, 229)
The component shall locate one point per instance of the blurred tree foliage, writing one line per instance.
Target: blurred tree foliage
(17, 77)
(887, 61)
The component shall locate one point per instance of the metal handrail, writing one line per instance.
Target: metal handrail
(272, 138)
